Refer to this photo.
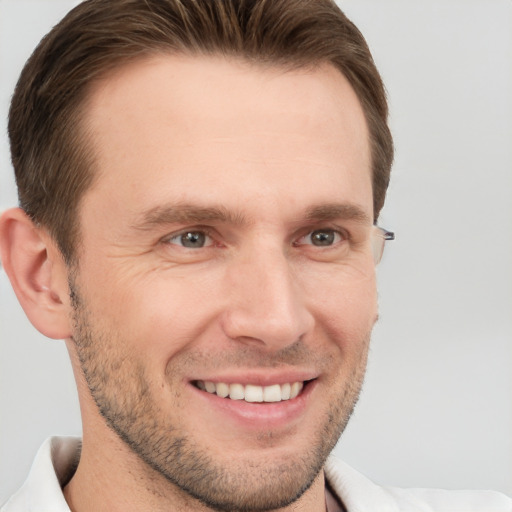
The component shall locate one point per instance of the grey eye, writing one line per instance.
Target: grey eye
(191, 239)
(323, 237)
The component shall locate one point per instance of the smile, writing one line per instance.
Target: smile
(252, 393)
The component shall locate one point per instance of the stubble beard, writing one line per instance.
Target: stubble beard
(155, 437)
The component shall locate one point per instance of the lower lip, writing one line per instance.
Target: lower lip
(255, 416)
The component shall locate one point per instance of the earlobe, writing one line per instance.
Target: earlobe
(37, 272)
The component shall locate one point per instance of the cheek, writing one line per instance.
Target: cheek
(158, 314)
(345, 309)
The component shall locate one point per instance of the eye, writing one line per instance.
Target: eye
(191, 239)
(322, 238)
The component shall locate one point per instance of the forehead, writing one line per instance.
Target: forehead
(184, 128)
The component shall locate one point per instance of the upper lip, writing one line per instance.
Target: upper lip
(259, 377)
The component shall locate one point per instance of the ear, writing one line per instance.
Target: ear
(37, 272)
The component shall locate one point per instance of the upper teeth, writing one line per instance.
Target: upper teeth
(251, 393)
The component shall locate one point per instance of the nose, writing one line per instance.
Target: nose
(265, 303)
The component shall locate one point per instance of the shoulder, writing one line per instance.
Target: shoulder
(359, 494)
(54, 463)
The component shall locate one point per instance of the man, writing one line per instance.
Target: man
(199, 185)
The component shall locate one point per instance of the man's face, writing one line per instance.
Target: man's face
(226, 248)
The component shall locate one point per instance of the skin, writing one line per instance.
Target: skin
(257, 159)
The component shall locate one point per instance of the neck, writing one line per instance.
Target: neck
(111, 478)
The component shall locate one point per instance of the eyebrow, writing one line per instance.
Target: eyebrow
(330, 211)
(187, 213)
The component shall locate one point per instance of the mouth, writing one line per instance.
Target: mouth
(251, 393)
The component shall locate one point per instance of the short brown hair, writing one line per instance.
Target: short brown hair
(52, 159)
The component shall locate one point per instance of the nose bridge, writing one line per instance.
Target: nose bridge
(266, 302)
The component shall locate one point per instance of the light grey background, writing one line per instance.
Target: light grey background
(436, 409)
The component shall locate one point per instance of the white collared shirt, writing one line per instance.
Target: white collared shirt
(57, 459)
